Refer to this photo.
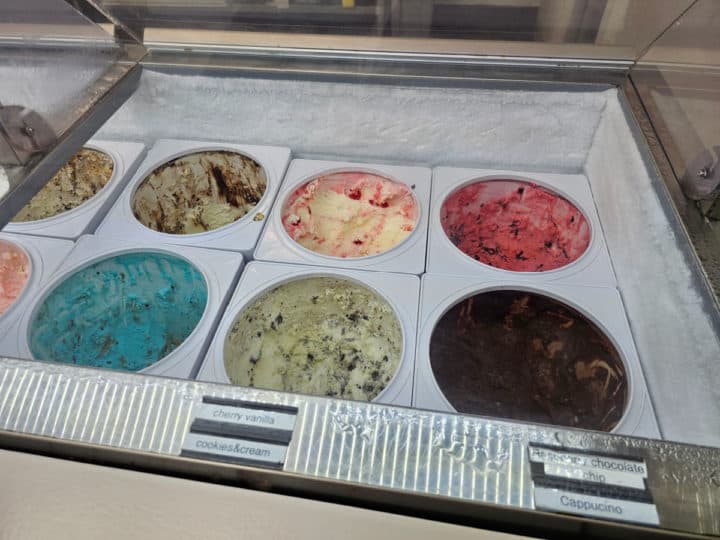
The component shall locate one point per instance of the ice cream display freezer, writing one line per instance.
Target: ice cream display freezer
(472, 285)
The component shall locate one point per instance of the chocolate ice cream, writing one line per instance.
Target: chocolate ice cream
(525, 356)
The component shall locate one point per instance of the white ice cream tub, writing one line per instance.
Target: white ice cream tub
(400, 291)
(84, 218)
(593, 267)
(219, 269)
(601, 305)
(406, 257)
(240, 235)
(44, 256)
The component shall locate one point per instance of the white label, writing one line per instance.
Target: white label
(567, 502)
(235, 448)
(246, 417)
(610, 478)
(599, 464)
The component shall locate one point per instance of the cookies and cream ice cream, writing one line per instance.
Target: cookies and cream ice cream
(319, 335)
(525, 356)
(515, 225)
(125, 312)
(78, 181)
(14, 273)
(350, 214)
(199, 192)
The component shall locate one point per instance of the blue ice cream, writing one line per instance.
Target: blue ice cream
(123, 312)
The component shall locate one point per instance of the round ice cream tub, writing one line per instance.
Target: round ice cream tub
(185, 226)
(250, 215)
(398, 247)
(407, 255)
(520, 217)
(91, 202)
(259, 279)
(523, 182)
(434, 396)
(84, 217)
(31, 259)
(163, 363)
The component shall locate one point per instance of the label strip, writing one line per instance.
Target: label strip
(240, 431)
(593, 488)
(599, 463)
(593, 485)
(246, 416)
(567, 502)
(231, 450)
(585, 474)
(235, 431)
(250, 404)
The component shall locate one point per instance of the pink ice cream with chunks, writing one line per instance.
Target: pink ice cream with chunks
(515, 225)
(350, 214)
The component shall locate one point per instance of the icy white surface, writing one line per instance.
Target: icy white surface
(544, 130)
(532, 130)
(678, 347)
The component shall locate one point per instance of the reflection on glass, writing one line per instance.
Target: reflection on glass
(679, 85)
(622, 28)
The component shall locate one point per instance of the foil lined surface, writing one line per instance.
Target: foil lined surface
(469, 458)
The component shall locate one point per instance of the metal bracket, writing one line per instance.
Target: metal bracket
(23, 133)
(701, 182)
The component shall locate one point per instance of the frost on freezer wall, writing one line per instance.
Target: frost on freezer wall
(495, 127)
(674, 335)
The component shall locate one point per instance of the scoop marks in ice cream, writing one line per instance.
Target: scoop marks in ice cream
(123, 312)
(199, 192)
(78, 181)
(320, 336)
(515, 225)
(525, 356)
(350, 214)
(14, 273)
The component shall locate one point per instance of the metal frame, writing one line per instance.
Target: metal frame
(97, 102)
(701, 242)
(459, 469)
(393, 65)
(455, 468)
(114, 88)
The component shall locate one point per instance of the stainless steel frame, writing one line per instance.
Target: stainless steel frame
(118, 84)
(461, 469)
(84, 80)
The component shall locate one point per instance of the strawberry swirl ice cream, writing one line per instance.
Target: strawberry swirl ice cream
(350, 214)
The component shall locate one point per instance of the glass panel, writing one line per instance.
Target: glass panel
(614, 29)
(679, 81)
(43, 19)
(433, 241)
(55, 65)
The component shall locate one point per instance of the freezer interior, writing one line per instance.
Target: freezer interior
(413, 252)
